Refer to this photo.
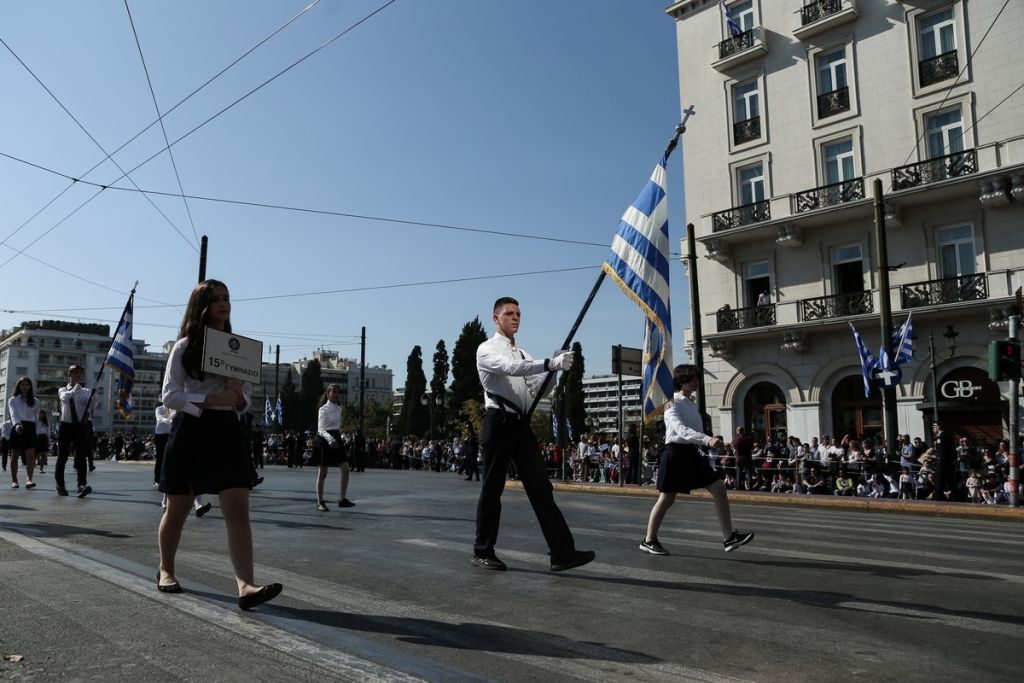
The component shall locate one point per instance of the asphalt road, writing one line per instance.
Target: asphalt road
(386, 591)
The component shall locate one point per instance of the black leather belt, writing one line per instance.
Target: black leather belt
(505, 415)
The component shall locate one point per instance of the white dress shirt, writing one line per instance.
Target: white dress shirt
(182, 392)
(164, 420)
(21, 411)
(328, 418)
(509, 372)
(5, 429)
(78, 394)
(683, 423)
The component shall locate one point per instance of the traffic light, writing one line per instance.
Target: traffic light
(1004, 360)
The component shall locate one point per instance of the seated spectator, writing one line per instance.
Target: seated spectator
(795, 484)
(990, 489)
(729, 481)
(844, 484)
(863, 487)
(925, 484)
(814, 484)
(879, 487)
(906, 484)
(760, 483)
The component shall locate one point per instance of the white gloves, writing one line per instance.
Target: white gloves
(561, 361)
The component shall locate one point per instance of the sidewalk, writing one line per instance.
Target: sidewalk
(910, 507)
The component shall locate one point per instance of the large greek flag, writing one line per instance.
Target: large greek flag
(121, 357)
(867, 361)
(903, 343)
(639, 265)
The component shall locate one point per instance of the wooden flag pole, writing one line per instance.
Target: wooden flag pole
(680, 129)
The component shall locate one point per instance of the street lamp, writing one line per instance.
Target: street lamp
(431, 401)
(950, 335)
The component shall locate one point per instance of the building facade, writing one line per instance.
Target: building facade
(800, 111)
(601, 404)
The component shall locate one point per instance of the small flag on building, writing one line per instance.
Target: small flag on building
(734, 28)
(867, 362)
(903, 343)
(121, 358)
(639, 265)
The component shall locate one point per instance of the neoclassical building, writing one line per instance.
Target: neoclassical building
(797, 116)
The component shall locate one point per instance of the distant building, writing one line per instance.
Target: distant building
(601, 403)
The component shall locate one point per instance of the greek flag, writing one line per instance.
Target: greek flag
(568, 430)
(734, 28)
(280, 411)
(638, 263)
(268, 412)
(902, 343)
(867, 362)
(554, 424)
(121, 357)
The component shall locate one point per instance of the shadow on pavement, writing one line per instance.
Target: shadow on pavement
(60, 530)
(884, 572)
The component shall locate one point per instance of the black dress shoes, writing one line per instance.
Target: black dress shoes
(491, 562)
(84, 491)
(203, 509)
(577, 558)
(268, 592)
(61, 491)
(168, 587)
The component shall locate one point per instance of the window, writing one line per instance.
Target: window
(936, 41)
(956, 251)
(745, 101)
(751, 184)
(832, 71)
(756, 281)
(839, 162)
(848, 269)
(937, 34)
(945, 133)
(743, 14)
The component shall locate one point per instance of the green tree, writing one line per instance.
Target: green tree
(438, 389)
(376, 418)
(290, 404)
(414, 419)
(312, 390)
(465, 378)
(570, 386)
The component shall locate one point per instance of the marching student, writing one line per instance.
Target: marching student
(73, 432)
(330, 449)
(511, 379)
(206, 450)
(682, 467)
(23, 409)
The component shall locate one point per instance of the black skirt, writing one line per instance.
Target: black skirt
(682, 469)
(27, 438)
(205, 454)
(324, 454)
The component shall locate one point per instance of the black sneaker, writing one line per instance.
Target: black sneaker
(346, 503)
(736, 539)
(491, 562)
(652, 547)
(84, 491)
(61, 491)
(203, 509)
(578, 558)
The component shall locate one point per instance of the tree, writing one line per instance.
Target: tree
(312, 390)
(465, 378)
(376, 418)
(570, 386)
(290, 404)
(438, 389)
(414, 418)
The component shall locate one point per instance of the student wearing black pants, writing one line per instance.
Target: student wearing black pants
(72, 433)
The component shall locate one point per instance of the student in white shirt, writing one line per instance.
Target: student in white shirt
(683, 468)
(23, 409)
(330, 449)
(206, 451)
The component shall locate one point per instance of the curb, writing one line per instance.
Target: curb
(906, 507)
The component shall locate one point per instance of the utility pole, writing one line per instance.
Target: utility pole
(618, 393)
(277, 377)
(1014, 423)
(202, 259)
(885, 314)
(362, 383)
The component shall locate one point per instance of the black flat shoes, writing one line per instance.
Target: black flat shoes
(265, 594)
(168, 588)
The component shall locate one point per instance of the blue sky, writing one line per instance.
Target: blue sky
(542, 117)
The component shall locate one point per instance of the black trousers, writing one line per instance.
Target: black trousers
(70, 436)
(470, 466)
(160, 440)
(506, 439)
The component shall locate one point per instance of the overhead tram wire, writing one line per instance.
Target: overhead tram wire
(956, 81)
(180, 102)
(160, 118)
(95, 142)
(320, 212)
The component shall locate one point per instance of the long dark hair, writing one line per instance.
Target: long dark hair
(193, 326)
(30, 398)
(324, 399)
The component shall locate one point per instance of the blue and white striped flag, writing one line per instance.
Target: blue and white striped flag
(554, 425)
(568, 430)
(268, 413)
(121, 357)
(902, 343)
(867, 362)
(734, 28)
(280, 411)
(639, 265)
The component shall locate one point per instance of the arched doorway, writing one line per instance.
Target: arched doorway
(853, 414)
(969, 405)
(765, 411)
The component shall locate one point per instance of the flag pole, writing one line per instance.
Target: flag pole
(92, 392)
(680, 129)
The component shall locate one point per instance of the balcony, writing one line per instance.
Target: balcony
(834, 102)
(836, 306)
(740, 49)
(734, 44)
(829, 195)
(741, 215)
(934, 170)
(821, 15)
(948, 290)
(938, 68)
(746, 131)
(744, 318)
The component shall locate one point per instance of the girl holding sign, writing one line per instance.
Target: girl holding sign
(206, 450)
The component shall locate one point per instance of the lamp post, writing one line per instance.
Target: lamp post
(950, 335)
(425, 401)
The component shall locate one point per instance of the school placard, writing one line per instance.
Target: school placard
(232, 355)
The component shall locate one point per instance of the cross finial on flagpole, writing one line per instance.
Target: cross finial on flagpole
(680, 129)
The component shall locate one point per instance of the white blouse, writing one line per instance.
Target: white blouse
(182, 392)
(21, 411)
(328, 418)
(683, 423)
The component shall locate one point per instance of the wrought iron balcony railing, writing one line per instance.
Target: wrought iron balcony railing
(948, 290)
(746, 131)
(741, 215)
(834, 102)
(743, 318)
(934, 170)
(819, 9)
(938, 68)
(836, 306)
(830, 195)
(734, 44)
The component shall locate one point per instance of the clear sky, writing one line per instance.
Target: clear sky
(538, 117)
